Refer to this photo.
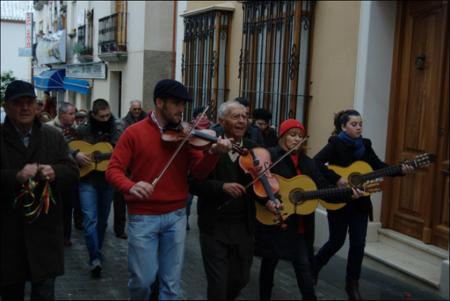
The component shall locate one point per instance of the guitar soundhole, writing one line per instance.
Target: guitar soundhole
(295, 196)
(355, 180)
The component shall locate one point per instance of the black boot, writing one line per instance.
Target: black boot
(352, 289)
(315, 273)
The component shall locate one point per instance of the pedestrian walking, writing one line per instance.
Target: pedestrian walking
(226, 213)
(35, 165)
(96, 193)
(344, 147)
(156, 191)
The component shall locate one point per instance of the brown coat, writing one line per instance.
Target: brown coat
(32, 251)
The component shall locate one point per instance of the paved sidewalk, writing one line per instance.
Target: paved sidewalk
(77, 284)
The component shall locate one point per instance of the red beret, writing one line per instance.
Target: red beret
(290, 124)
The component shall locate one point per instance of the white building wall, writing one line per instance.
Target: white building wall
(181, 8)
(372, 88)
(13, 38)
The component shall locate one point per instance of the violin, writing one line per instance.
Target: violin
(199, 139)
(266, 185)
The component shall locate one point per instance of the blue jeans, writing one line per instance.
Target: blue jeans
(156, 245)
(95, 203)
(355, 222)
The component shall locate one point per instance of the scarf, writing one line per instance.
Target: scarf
(357, 144)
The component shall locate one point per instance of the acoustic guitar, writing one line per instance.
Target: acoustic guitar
(100, 153)
(360, 172)
(299, 195)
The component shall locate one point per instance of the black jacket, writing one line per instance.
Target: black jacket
(32, 251)
(214, 204)
(92, 133)
(337, 152)
(272, 241)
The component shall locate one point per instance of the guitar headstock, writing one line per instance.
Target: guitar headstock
(420, 161)
(372, 186)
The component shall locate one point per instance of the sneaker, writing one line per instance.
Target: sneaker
(96, 269)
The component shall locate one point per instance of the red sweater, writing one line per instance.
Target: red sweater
(141, 151)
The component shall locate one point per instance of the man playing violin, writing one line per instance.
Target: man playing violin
(226, 213)
(156, 191)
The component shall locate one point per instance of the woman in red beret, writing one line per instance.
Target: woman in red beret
(294, 242)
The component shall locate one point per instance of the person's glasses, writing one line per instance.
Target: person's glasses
(137, 109)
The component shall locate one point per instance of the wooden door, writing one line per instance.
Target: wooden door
(417, 205)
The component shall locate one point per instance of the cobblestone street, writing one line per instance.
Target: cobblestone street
(77, 284)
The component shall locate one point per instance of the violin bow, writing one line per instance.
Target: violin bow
(156, 180)
(276, 162)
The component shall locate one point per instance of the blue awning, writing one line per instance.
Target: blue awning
(77, 85)
(50, 80)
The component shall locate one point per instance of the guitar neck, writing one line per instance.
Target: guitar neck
(102, 156)
(324, 194)
(386, 171)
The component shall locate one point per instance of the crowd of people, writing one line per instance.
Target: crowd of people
(152, 181)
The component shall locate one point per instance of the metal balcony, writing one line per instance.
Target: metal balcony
(112, 37)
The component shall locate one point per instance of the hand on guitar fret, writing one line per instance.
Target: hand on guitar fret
(142, 190)
(342, 183)
(273, 207)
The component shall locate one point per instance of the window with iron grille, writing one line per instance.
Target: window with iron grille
(274, 59)
(204, 62)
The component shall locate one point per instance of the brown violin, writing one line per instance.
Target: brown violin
(266, 185)
(199, 139)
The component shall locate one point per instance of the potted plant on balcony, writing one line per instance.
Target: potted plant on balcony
(73, 33)
(83, 52)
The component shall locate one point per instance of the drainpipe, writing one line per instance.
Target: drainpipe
(174, 37)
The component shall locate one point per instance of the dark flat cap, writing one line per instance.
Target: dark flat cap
(19, 88)
(171, 88)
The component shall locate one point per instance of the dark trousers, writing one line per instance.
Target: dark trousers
(120, 212)
(77, 213)
(70, 201)
(302, 270)
(41, 290)
(355, 222)
(227, 266)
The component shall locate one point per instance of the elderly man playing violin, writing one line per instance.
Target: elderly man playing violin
(226, 212)
(156, 189)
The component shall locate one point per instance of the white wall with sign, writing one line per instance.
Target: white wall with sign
(12, 38)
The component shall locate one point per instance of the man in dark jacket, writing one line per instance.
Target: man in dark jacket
(96, 193)
(34, 158)
(226, 213)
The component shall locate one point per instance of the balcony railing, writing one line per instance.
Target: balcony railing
(112, 35)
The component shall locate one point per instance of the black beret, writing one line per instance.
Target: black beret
(171, 88)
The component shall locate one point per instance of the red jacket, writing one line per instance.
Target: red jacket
(142, 153)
